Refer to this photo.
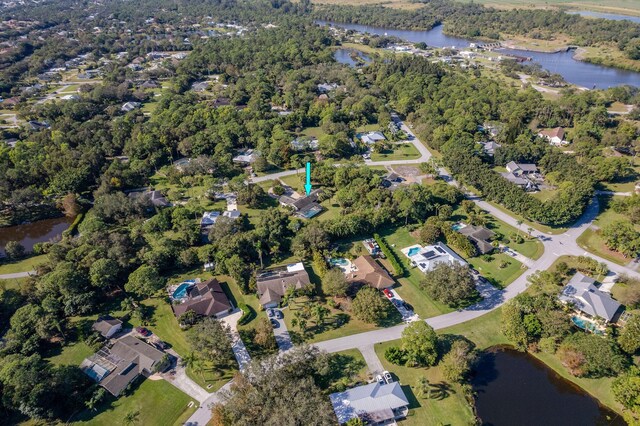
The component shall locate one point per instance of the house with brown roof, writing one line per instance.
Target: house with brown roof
(479, 236)
(367, 270)
(554, 136)
(206, 299)
(115, 367)
(272, 285)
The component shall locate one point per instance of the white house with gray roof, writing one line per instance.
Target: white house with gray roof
(427, 258)
(584, 296)
(373, 403)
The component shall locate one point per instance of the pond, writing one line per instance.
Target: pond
(345, 56)
(611, 16)
(514, 388)
(29, 234)
(577, 72)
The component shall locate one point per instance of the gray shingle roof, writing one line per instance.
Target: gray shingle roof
(372, 400)
(581, 292)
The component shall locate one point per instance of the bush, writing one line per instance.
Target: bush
(14, 250)
(278, 190)
(247, 313)
(395, 355)
(398, 269)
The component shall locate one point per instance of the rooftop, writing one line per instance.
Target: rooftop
(374, 401)
(581, 292)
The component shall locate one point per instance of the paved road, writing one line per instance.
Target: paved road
(17, 275)
(425, 155)
(203, 414)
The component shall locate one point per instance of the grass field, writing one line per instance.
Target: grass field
(495, 271)
(24, 265)
(157, 403)
(405, 151)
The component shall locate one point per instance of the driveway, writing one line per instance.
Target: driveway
(17, 275)
(177, 376)
(372, 360)
(202, 416)
(237, 345)
(283, 339)
(407, 314)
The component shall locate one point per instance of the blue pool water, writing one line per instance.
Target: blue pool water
(339, 262)
(413, 251)
(586, 325)
(181, 291)
(457, 226)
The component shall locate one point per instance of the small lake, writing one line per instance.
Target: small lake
(577, 72)
(29, 234)
(613, 17)
(345, 56)
(514, 388)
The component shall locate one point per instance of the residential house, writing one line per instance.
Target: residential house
(72, 97)
(11, 142)
(305, 207)
(584, 296)
(522, 182)
(272, 285)
(519, 169)
(208, 220)
(38, 125)
(155, 197)
(554, 136)
(368, 271)
(206, 299)
(107, 326)
(231, 214)
(304, 144)
(200, 86)
(246, 157)
(149, 84)
(371, 138)
(479, 236)
(372, 246)
(427, 258)
(115, 367)
(326, 87)
(130, 106)
(392, 181)
(490, 147)
(10, 102)
(373, 403)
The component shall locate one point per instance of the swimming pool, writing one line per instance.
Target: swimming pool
(413, 251)
(586, 325)
(181, 291)
(339, 262)
(458, 226)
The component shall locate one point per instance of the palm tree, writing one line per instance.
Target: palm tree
(258, 246)
(530, 230)
(519, 222)
(131, 417)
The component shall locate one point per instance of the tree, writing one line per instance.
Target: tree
(429, 233)
(14, 250)
(420, 343)
(144, 282)
(626, 390)
(423, 387)
(629, 339)
(451, 284)
(131, 417)
(264, 335)
(457, 363)
(513, 325)
(622, 236)
(103, 273)
(334, 283)
(370, 306)
(96, 398)
(211, 341)
(589, 355)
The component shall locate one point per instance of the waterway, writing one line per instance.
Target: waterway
(514, 388)
(344, 56)
(611, 16)
(29, 234)
(577, 72)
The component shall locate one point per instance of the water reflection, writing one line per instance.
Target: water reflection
(36, 232)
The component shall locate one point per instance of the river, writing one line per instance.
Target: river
(514, 388)
(611, 16)
(577, 72)
(29, 234)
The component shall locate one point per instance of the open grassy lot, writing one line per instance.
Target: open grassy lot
(72, 354)
(405, 151)
(500, 269)
(544, 194)
(156, 402)
(592, 240)
(447, 404)
(23, 265)
(314, 132)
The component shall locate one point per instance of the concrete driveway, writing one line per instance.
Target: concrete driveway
(283, 339)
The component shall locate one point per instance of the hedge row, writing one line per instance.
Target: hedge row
(398, 269)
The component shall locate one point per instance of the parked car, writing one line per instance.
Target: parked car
(161, 345)
(406, 305)
(275, 323)
(278, 314)
(270, 313)
(387, 377)
(396, 303)
(387, 293)
(380, 380)
(144, 331)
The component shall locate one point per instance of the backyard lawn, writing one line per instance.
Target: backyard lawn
(72, 354)
(156, 402)
(447, 404)
(405, 151)
(501, 270)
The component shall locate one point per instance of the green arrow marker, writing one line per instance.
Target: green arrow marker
(307, 186)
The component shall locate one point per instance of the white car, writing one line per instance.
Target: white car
(380, 380)
(387, 377)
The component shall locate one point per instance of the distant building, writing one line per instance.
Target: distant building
(371, 138)
(305, 207)
(520, 169)
(209, 219)
(326, 88)
(370, 272)
(372, 246)
(272, 285)
(554, 136)
(490, 147)
(206, 299)
(107, 326)
(392, 181)
(155, 197)
(373, 403)
(231, 214)
(427, 258)
(584, 296)
(38, 125)
(245, 157)
(130, 106)
(304, 144)
(200, 86)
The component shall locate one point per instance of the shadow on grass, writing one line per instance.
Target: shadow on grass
(255, 350)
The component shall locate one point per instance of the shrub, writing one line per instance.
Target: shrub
(398, 269)
(395, 355)
(14, 250)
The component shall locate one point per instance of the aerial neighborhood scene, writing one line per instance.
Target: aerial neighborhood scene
(319, 212)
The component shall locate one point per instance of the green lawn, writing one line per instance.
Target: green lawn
(157, 402)
(24, 265)
(449, 407)
(525, 223)
(72, 354)
(499, 276)
(314, 132)
(405, 151)
(544, 194)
